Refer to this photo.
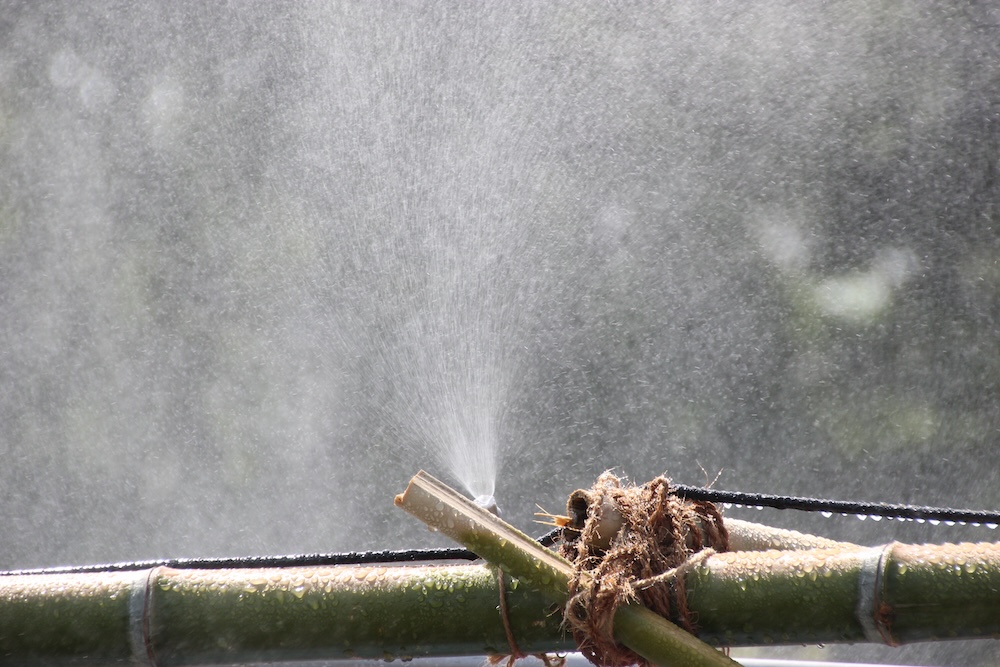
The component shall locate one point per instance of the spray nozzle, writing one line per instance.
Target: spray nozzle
(488, 502)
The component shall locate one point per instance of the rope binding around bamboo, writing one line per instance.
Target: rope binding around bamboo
(632, 544)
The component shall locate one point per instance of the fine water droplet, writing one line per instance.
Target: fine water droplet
(758, 507)
(949, 523)
(970, 567)
(921, 520)
(726, 506)
(876, 517)
(934, 522)
(861, 516)
(827, 514)
(991, 526)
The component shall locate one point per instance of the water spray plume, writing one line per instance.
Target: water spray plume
(257, 258)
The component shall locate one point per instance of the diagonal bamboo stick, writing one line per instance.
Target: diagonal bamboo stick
(651, 636)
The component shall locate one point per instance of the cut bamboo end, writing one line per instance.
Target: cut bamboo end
(485, 534)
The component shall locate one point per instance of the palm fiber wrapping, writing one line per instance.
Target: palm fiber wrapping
(657, 531)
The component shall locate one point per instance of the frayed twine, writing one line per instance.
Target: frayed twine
(632, 545)
(515, 654)
(557, 660)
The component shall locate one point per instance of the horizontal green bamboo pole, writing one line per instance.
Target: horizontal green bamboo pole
(892, 594)
(187, 617)
(751, 536)
(66, 617)
(915, 593)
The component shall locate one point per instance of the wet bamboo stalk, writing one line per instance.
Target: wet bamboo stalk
(896, 594)
(750, 536)
(225, 616)
(892, 594)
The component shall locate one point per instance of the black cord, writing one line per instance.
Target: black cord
(888, 510)
(295, 560)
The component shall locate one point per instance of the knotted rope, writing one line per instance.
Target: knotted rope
(632, 544)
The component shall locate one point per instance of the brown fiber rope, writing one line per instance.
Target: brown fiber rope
(515, 650)
(633, 544)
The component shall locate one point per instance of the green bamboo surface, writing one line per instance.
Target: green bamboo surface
(260, 615)
(740, 599)
(63, 618)
(925, 593)
(371, 612)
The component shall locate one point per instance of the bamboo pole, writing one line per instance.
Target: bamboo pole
(651, 636)
(189, 617)
(751, 536)
(53, 618)
(891, 594)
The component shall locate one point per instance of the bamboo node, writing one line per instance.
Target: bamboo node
(632, 544)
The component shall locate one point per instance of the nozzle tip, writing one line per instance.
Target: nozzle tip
(488, 502)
